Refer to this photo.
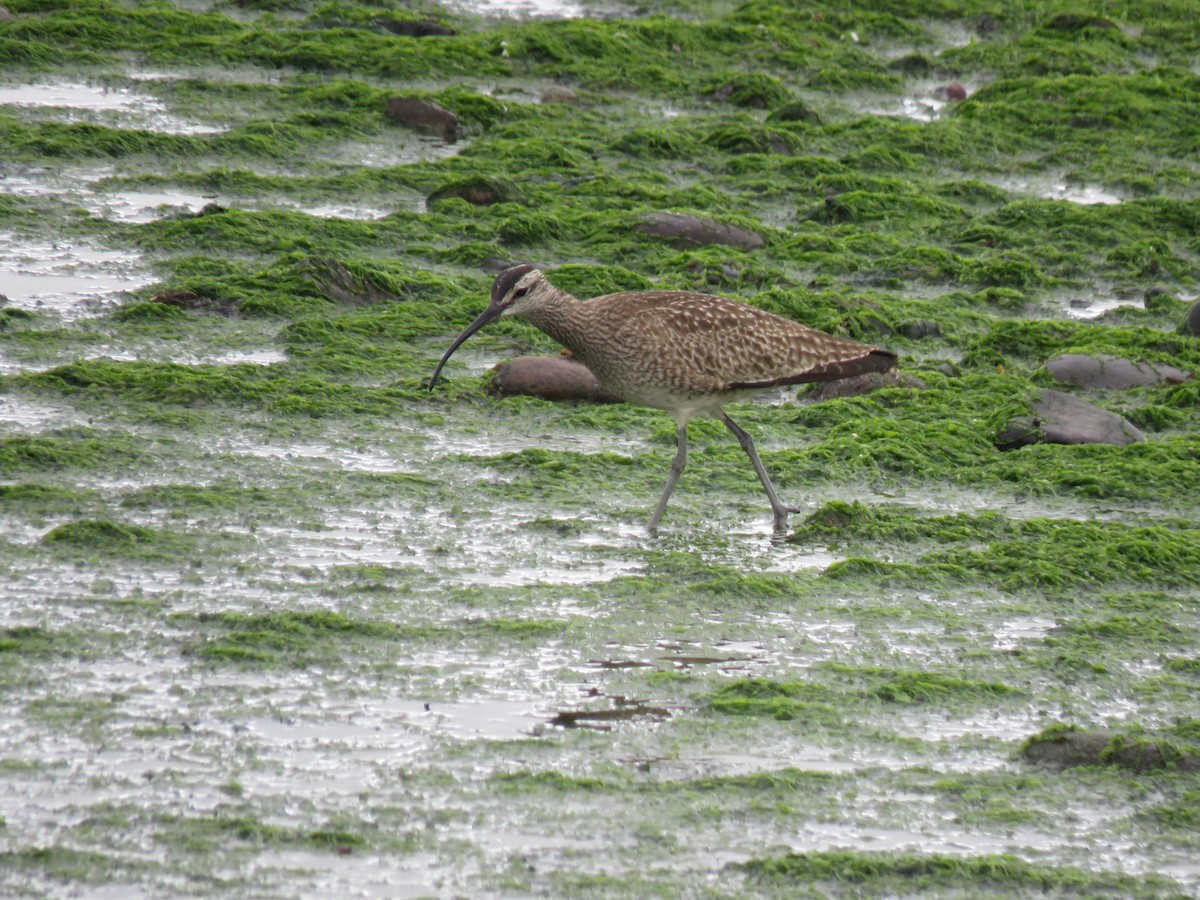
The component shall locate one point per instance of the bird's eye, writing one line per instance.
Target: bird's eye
(519, 293)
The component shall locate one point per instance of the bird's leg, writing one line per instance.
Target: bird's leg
(777, 508)
(677, 465)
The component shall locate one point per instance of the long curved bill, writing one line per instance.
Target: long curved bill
(492, 312)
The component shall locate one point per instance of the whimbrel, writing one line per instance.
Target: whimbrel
(680, 351)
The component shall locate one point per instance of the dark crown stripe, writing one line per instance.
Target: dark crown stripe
(505, 280)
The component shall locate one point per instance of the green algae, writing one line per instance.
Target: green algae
(873, 224)
(225, 830)
(1038, 554)
(879, 874)
(68, 449)
(70, 866)
(847, 687)
(323, 637)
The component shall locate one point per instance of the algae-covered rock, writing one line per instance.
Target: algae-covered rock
(337, 283)
(1073, 22)
(1191, 321)
(559, 93)
(684, 231)
(423, 115)
(862, 384)
(417, 28)
(795, 112)
(1068, 747)
(476, 191)
(1111, 372)
(1060, 418)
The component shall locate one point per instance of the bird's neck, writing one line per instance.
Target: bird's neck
(556, 317)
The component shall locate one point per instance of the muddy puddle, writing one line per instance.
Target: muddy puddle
(67, 278)
(105, 104)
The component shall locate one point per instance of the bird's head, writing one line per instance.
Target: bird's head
(516, 291)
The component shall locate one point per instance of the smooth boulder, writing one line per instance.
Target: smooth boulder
(1060, 418)
(549, 377)
(684, 231)
(1111, 372)
(424, 115)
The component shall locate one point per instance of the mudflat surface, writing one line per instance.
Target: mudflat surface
(277, 621)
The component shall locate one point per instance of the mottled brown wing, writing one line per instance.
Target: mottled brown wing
(712, 343)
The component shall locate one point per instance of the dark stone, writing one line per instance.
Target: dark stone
(986, 25)
(794, 112)
(861, 384)
(549, 377)
(1066, 749)
(1191, 321)
(1059, 418)
(685, 231)
(476, 191)
(424, 115)
(1073, 22)
(1159, 299)
(955, 92)
(417, 28)
(1111, 372)
(914, 65)
(190, 300)
(1070, 748)
(917, 330)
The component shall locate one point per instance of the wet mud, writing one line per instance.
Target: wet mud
(279, 621)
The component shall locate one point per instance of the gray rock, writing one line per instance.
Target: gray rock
(692, 231)
(1059, 418)
(1111, 372)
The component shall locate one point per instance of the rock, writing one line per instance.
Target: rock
(549, 377)
(476, 191)
(1158, 298)
(794, 112)
(340, 285)
(5, 15)
(1191, 320)
(190, 300)
(1111, 372)
(559, 93)
(1067, 748)
(922, 329)
(861, 384)
(1060, 418)
(415, 28)
(692, 231)
(424, 115)
(954, 92)
(1073, 22)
